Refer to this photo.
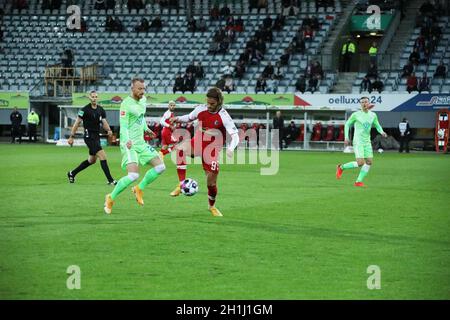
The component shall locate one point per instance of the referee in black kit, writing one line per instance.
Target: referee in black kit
(92, 116)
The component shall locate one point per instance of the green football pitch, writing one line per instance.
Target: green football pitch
(299, 234)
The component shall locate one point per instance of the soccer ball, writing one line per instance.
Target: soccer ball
(189, 187)
(380, 150)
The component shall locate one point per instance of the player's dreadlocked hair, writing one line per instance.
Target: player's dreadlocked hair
(215, 93)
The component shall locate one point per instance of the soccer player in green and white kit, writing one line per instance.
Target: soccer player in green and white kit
(363, 120)
(134, 150)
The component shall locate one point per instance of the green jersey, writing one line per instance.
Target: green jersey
(132, 121)
(363, 122)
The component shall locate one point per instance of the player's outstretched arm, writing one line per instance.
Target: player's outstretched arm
(377, 126)
(74, 130)
(347, 126)
(124, 130)
(106, 127)
(188, 117)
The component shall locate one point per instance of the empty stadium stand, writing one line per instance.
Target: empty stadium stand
(35, 38)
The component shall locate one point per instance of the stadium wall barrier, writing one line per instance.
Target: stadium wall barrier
(383, 102)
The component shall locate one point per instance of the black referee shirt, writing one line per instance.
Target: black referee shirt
(92, 119)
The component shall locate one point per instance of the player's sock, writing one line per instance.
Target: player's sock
(123, 183)
(350, 165)
(151, 175)
(363, 173)
(105, 169)
(181, 166)
(81, 167)
(181, 171)
(212, 192)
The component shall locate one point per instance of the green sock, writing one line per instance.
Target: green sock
(350, 165)
(363, 173)
(121, 185)
(149, 177)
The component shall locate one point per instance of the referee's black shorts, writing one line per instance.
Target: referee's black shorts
(93, 143)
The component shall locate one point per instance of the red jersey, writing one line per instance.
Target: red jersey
(165, 118)
(211, 124)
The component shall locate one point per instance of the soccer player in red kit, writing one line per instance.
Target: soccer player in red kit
(209, 138)
(168, 142)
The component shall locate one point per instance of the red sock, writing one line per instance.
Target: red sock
(212, 192)
(181, 166)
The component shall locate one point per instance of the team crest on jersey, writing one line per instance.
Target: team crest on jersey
(216, 123)
(122, 113)
(366, 125)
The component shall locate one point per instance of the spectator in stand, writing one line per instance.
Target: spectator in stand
(284, 59)
(110, 4)
(261, 46)
(118, 25)
(300, 85)
(100, 5)
(267, 35)
(239, 25)
(366, 85)
(278, 71)
(109, 25)
(316, 70)
(424, 56)
(214, 13)
(308, 34)
(231, 35)
(407, 69)
(299, 44)
(441, 71)
(225, 12)
(229, 23)
(432, 43)
(189, 83)
(411, 83)
(268, 71)
(192, 25)
(135, 4)
(221, 83)
(372, 72)
(179, 84)
(414, 57)
(289, 8)
(427, 9)
(279, 23)
(424, 83)
(224, 46)
(267, 22)
(199, 73)
(291, 133)
(156, 24)
(229, 86)
(313, 83)
(262, 4)
(190, 68)
(272, 85)
(420, 42)
(261, 85)
(144, 26)
(315, 25)
(227, 70)
(201, 25)
(256, 57)
(378, 85)
(239, 69)
(252, 4)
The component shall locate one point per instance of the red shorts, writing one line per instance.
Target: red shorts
(208, 152)
(166, 137)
